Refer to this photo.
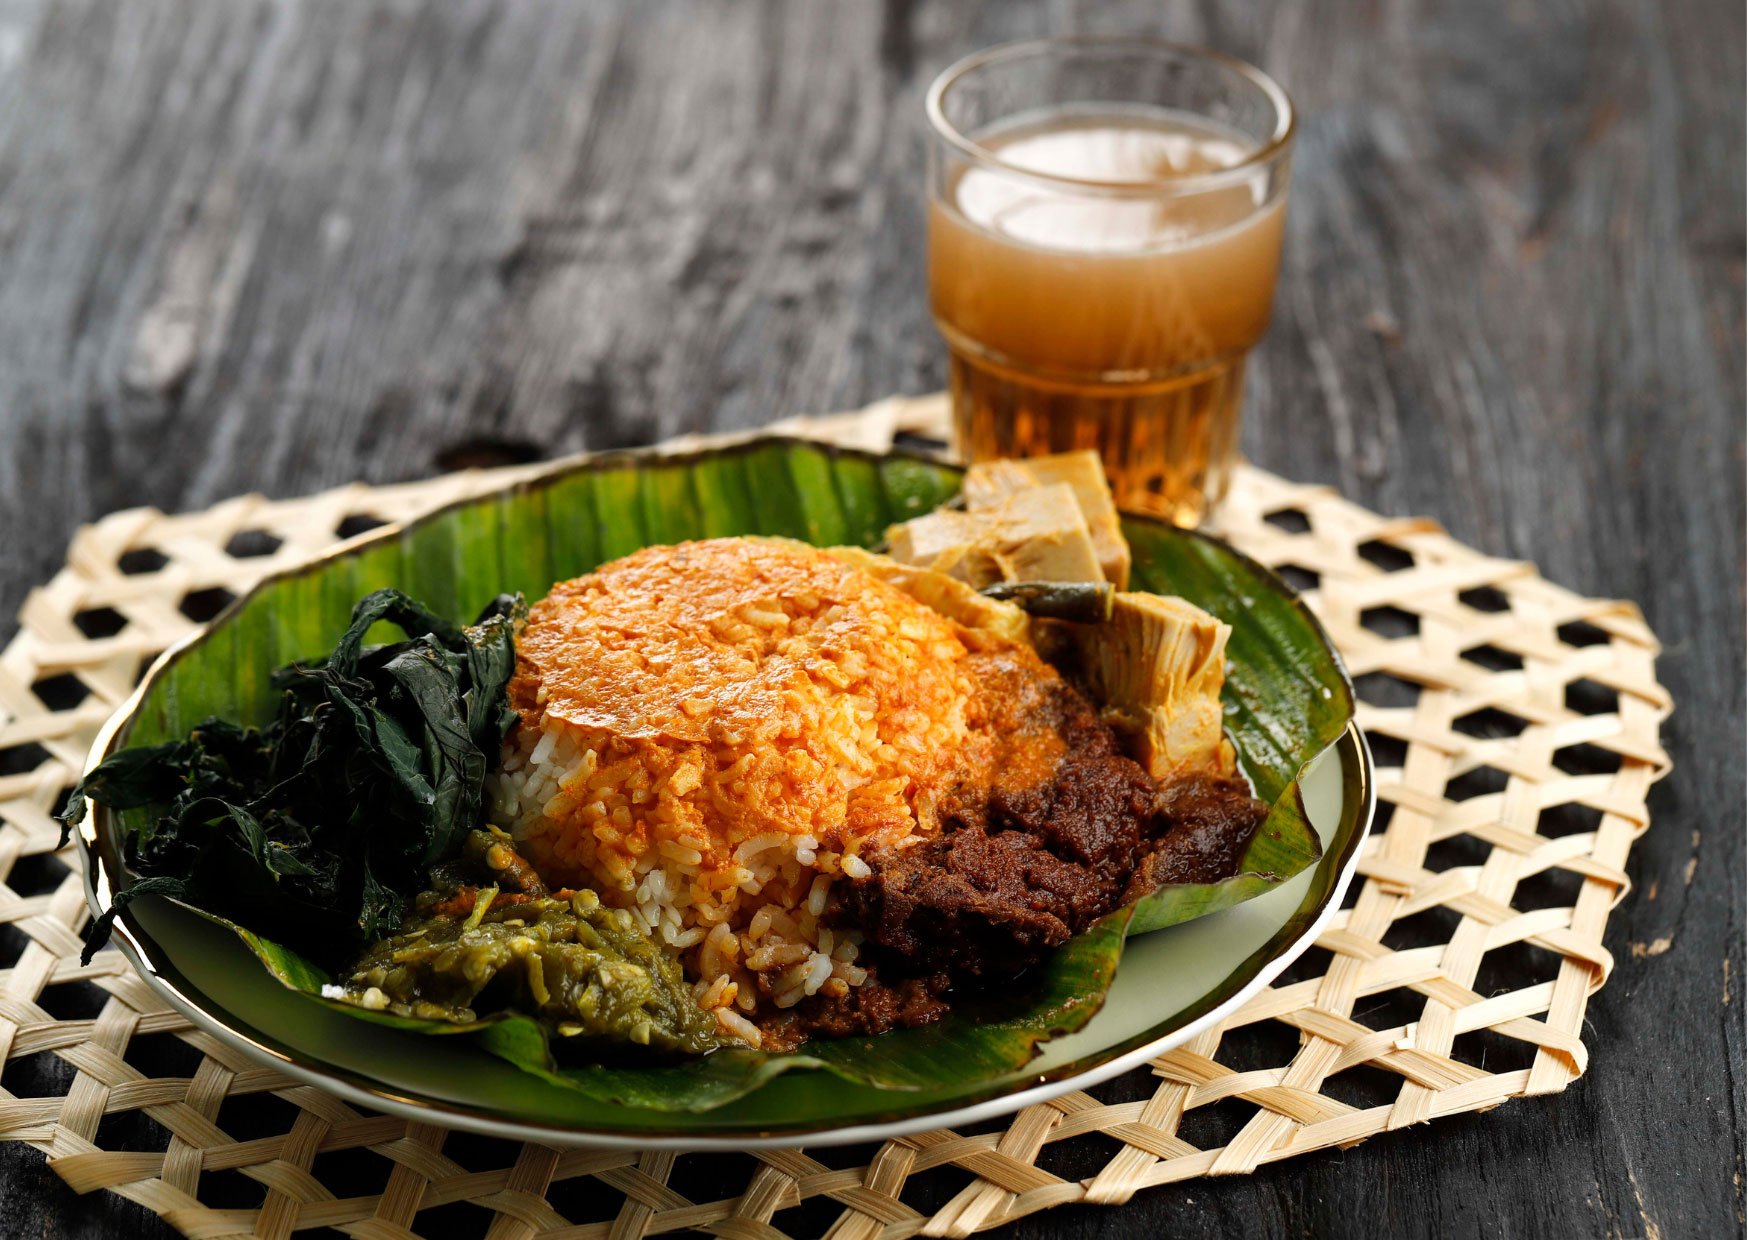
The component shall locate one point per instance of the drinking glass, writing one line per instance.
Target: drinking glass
(1105, 221)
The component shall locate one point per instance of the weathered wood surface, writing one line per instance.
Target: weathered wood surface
(275, 246)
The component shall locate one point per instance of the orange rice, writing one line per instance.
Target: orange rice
(711, 733)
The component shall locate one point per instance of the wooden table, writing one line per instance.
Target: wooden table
(275, 246)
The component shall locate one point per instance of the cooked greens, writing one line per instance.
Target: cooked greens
(309, 830)
(1088, 602)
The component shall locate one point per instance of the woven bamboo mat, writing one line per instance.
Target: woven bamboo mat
(1516, 730)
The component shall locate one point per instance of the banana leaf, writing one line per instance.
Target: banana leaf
(1287, 699)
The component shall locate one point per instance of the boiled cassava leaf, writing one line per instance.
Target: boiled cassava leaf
(312, 829)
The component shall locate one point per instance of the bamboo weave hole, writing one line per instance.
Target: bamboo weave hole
(1516, 725)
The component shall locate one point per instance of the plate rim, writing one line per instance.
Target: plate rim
(1359, 799)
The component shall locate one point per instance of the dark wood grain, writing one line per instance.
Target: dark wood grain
(277, 246)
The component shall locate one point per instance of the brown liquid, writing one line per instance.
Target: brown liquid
(1119, 323)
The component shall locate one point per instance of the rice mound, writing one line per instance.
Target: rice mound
(710, 734)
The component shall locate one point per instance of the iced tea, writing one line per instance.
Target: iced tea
(1099, 273)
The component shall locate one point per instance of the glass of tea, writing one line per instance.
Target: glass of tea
(1105, 222)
